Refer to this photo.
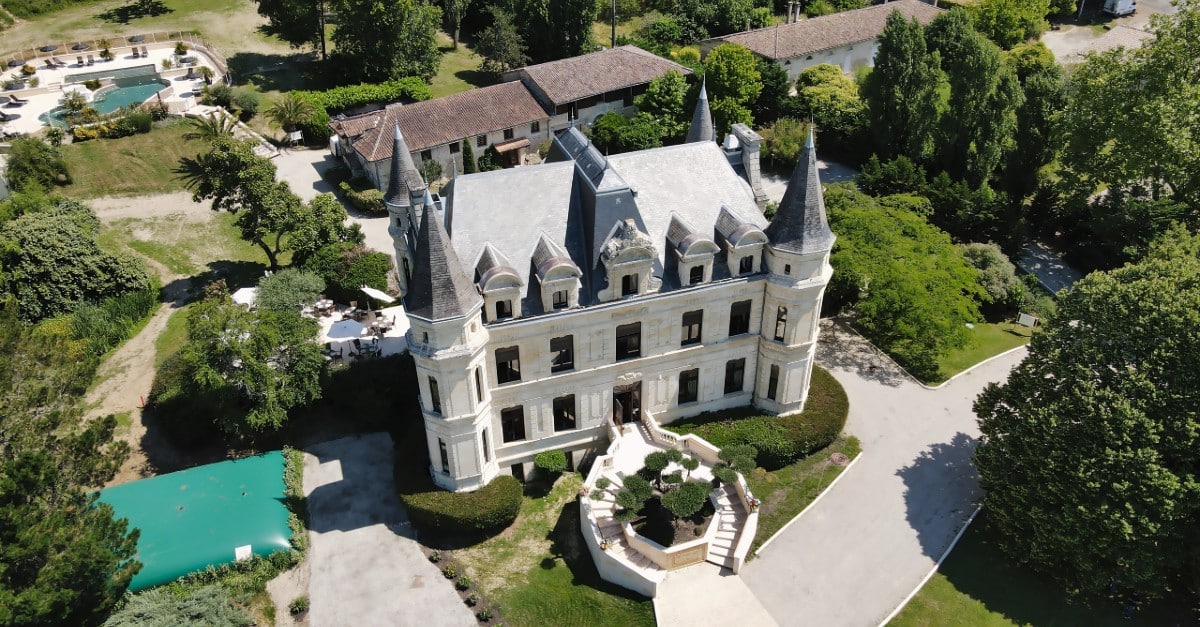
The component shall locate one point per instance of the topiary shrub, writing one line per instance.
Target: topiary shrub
(491, 507)
(552, 462)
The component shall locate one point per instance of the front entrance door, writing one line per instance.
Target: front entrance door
(627, 403)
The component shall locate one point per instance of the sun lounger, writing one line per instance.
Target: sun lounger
(17, 101)
(145, 52)
(4, 117)
(136, 54)
(59, 62)
(91, 60)
(80, 61)
(50, 64)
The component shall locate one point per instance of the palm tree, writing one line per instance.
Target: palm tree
(209, 127)
(290, 112)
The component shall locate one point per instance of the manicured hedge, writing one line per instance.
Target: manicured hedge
(779, 440)
(492, 507)
(342, 98)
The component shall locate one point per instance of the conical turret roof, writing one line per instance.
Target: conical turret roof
(701, 129)
(800, 225)
(404, 174)
(439, 289)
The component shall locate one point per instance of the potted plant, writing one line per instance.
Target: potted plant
(105, 53)
(28, 70)
(181, 49)
(167, 64)
(207, 73)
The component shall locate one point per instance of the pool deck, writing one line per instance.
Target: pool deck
(52, 81)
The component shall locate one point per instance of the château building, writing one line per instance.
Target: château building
(547, 300)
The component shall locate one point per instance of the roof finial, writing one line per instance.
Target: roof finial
(701, 129)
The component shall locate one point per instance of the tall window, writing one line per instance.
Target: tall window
(560, 299)
(454, 148)
(481, 141)
(629, 341)
(479, 383)
(445, 457)
(435, 396)
(739, 318)
(562, 353)
(780, 323)
(696, 275)
(692, 323)
(746, 265)
(535, 126)
(426, 155)
(689, 386)
(735, 374)
(503, 309)
(564, 413)
(487, 450)
(508, 364)
(629, 285)
(773, 383)
(508, 134)
(512, 423)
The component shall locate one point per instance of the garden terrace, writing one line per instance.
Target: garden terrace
(629, 559)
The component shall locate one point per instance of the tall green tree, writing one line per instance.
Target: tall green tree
(614, 133)
(984, 94)
(468, 158)
(1010, 22)
(1090, 450)
(387, 41)
(32, 161)
(500, 44)
(318, 223)
(903, 92)
(774, 99)
(455, 11)
(243, 183)
(664, 100)
(831, 99)
(298, 22)
(912, 288)
(731, 73)
(64, 559)
(1035, 142)
(290, 112)
(570, 27)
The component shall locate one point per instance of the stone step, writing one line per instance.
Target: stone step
(726, 535)
(724, 562)
(717, 550)
(611, 533)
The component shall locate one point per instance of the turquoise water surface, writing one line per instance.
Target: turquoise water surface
(112, 98)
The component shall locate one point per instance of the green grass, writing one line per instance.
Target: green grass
(602, 30)
(231, 25)
(786, 492)
(979, 585)
(129, 166)
(988, 339)
(172, 338)
(458, 71)
(539, 573)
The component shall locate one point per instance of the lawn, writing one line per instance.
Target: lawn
(171, 340)
(602, 29)
(539, 573)
(978, 585)
(231, 25)
(130, 166)
(458, 71)
(988, 339)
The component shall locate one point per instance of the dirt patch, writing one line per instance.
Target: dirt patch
(284, 589)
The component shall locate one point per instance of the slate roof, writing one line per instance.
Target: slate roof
(439, 288)
(701, 129)
(733, 228)
(404, 174)
(576, 209)
(442, 120)
(800, 225)
(805, 37)
(576, 78)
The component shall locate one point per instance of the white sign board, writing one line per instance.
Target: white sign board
(1027, 320)
(242, 553)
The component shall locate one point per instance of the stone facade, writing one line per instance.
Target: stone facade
(648, 281)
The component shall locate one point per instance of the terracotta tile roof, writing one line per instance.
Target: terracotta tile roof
(568, 80)
(788, 41)
(443, 120)
(356, 125)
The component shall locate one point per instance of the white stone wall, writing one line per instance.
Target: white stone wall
(849, 58)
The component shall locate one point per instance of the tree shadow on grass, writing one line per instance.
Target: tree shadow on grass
(567, 544)
(475, 77)
(133, 10)
(979, 569)
(278, 72)
(941, 489)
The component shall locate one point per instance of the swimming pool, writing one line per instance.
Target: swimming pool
(109, 99)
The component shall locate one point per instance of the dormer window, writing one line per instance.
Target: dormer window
(743, 242)
(500, 284)
(746, 265)
(696, 275)
(629, 285)
(560, 299)
(557, 274)
(503, 309)
(694, 252)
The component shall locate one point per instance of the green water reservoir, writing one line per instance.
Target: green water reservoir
(199, 517)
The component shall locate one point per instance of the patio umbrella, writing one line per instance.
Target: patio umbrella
(49, 48)
(345, 330)
(246, 296)
(15, 63)
(137, 39)
(80, 46)
(379, 295)
(5, 100)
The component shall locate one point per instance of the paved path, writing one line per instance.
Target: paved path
(855, 555)
(1051, 271)
(706, 594)
(365, 567)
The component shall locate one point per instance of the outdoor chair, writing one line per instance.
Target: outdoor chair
(59, 62)
(50, 64)
(91, 60)
(79, 59)
(145, 52)
(136, 54)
